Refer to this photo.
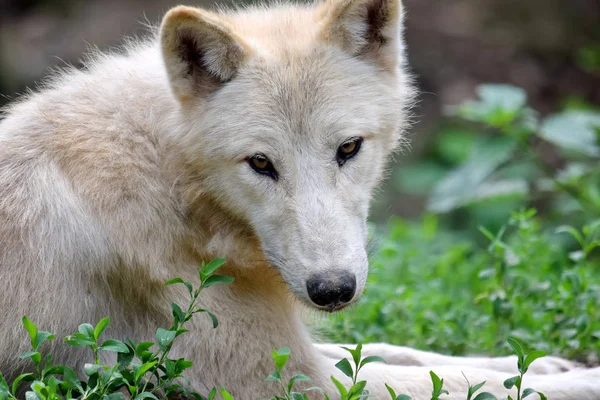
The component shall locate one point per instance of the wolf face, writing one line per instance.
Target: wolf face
(291, 114)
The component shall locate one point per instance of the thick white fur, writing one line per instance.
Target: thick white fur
(119, 177)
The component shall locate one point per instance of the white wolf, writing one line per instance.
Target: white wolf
(255, 135)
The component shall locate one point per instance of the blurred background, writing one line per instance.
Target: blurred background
(461, 261)
(551, 48)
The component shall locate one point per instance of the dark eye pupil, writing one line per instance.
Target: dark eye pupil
(260, 162)
(348, 147)
(348, 150)
(262, 165)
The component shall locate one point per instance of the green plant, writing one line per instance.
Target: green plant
(280, 357)
(357, 390)
(144, 374)
(438, 386)
(140, 372)
(474, 388)
(512, 161)
(524, 361)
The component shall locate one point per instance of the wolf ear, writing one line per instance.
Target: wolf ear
(200, 51)
(370, 29)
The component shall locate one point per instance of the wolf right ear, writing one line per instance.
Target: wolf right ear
(200, 51)
(369, 29)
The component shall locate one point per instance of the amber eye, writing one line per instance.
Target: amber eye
(261, 164)
(348, 149)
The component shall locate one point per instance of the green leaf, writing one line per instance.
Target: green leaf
(3, 383)
(213, 266)
(114, 345)
(32, 396)
(34, 355)
(100, 327)
(56, 370)
(506, 97)
(357, 389)
(124, 359)
(437, 383)
(463, 185)
(344, 366)
(42, 336)
(531, 357)
(527, 392)
(143, 369)
(371, 359)
(510, 382)
(485, 396)
(498, 106)
(573, 130)
(281, 357)
(274, 377)
(225, 394)
(31, 330)
(71, 378)
(214, 279)
(516, 346)
(475, 388)
(116, 396)
(396, 397)
(145, 395)
(164, 338)
(183, 364)
(142, 347)
(571, 231)
(356, 353)
(87, 330)
(78, 340)
(298, 377)
(391, 391)
(212, 394)
(91, 369)
(542, 396)
(21, 378)
(214, 319)
(340, 387)
(179, 280)
(178, 313)
(180, 332)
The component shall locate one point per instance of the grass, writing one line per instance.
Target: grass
(431, 289)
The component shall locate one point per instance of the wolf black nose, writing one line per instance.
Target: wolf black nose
(331, 289)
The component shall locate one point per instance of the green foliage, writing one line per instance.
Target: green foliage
(438, 386)
(530, 275)
(139, 371)
(588, 58)
(488, 172)
(474, 388)
(524, 361)
(451, 296)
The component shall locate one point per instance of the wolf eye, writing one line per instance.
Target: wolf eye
(261, 164)
(348, 149)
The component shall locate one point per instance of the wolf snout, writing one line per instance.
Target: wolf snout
(331, 290)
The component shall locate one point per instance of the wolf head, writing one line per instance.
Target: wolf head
(291, 113)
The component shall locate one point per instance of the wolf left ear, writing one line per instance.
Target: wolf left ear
(370, 29)
(200, 51)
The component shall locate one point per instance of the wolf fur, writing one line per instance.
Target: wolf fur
(118, 177)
